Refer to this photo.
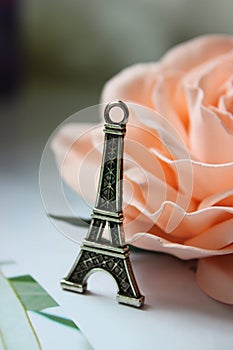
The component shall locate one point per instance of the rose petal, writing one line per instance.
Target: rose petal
(206, 177)
(168, 88)
(215, 277)
(227, 102)
(77, 159)
(223, 198)
(216, 237)
(185, 252)
(211, 83)
(209, 140)
(197, 51)
(225, 117)
(188, 225)
(133, 84)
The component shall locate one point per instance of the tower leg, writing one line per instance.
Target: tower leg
(117, 264)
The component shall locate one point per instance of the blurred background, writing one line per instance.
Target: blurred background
(56, 56)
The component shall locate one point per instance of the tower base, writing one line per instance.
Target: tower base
(114, 261)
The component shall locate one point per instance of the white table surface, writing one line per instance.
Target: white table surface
(177, 314)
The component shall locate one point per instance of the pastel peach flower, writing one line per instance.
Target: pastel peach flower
(191, 88)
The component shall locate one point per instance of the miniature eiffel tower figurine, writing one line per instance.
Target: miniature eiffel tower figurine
(97, 252)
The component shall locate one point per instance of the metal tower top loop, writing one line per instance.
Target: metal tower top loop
(120, 105)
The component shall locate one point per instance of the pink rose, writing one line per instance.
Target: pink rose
(192, 88)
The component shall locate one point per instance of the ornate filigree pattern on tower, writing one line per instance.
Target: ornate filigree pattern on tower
(116, 267)
(107, 198)
(98, 251)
